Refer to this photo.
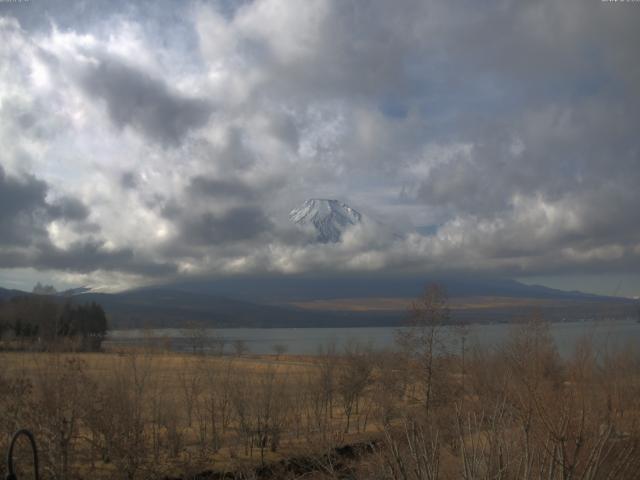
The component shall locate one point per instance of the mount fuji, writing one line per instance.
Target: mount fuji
(328, 217)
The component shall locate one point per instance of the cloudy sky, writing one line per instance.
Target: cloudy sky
(148, 141)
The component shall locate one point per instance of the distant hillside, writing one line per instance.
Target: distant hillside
(164, 307)
(6, 294)
(337, 303)
(286, 289)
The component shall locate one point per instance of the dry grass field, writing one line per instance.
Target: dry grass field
(148, 414)
(511, 413)
(400, 304)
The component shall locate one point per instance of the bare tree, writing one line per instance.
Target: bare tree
(462, 331)
(389, 386)
(279, 349)
(241, 402)
(218, 342)
(410, 452)
(326, 378)
(354, 375)
(422, 338)
(217, 385)
(197, 336)
(270, 410)
(56, 410)
(190, 386)
(240, 347)
(126, 400)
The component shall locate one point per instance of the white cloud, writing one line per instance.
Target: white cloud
(518, 149)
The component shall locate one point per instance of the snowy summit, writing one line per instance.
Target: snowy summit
(329, 218)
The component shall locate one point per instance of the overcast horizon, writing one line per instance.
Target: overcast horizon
(147, 142)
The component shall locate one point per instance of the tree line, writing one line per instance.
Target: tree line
(43, 320)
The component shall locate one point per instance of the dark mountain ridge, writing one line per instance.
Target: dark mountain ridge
(264, 302)
(285, 289)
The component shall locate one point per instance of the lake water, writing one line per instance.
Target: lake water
(611, 334)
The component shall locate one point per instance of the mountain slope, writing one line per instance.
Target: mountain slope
(167, 307)
(6, 294)
(288, 301)
(172, 307)
(290, 288)
(328, 217)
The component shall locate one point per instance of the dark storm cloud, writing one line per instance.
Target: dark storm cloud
(128, 180)
(236, 224)
(23, 210)
(234, 154)
(579, 159)
(69, 208)
(13, 258)
(210, 187)
(24, 216)
(91, 255)
(235, 216)
(135, 98)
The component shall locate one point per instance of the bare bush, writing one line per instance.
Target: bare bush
(411, 452)
(280, 349)
(354, 376)
(116, 415)
(55, 411)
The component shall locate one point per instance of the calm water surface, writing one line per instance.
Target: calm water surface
(612, 334)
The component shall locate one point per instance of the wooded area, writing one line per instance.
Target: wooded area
(43, 322)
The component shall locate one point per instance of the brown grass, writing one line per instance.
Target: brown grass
(518, 411)
(397, 304)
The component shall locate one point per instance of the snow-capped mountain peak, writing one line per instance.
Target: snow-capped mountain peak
(329, 217)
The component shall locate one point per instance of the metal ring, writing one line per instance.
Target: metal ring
(11, 475)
